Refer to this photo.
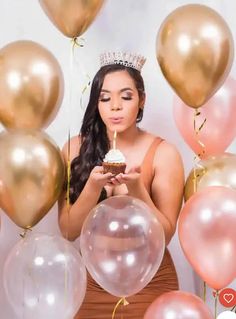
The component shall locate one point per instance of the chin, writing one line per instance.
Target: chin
(117, 128)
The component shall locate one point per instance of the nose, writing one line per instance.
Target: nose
(116, 107)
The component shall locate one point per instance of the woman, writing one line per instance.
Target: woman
(154, 174)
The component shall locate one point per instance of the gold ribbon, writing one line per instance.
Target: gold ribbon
(80, 42)
(68, 185)
(87, 85)
(233, 309)
(121, 301)
(25, 231)
(216, 303)
(204, 291)
(197, 130)
(77, 42)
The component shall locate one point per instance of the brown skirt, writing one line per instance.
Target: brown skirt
(98, 304)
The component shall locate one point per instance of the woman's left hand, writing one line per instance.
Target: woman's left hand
(132, 178)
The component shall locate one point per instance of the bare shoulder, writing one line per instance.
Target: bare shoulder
(167, 155)
(73, 145)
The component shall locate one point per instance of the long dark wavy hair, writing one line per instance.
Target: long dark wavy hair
(94, 140)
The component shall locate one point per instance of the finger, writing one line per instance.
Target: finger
(114, 181)
(107, 176)
(125, 177)
(98, 169)
(119, 178)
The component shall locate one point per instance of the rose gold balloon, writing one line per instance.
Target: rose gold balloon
(217, 170)
(195, 52)
(31, 85)
(207, 234)
(178, 305)
(71, 17)
(218, 131)
(31, 175)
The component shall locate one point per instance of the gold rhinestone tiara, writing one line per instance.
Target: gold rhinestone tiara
(135, 61)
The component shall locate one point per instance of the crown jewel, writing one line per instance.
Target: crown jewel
(135, 61)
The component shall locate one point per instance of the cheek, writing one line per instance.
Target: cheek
(132, 112)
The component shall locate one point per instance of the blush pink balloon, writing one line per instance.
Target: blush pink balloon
(207, 233)
(219, 130)
(122, 244)
(178, 305)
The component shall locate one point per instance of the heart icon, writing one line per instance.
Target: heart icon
(228, 297)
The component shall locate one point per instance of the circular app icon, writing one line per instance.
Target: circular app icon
(227, 315)
(227, 297)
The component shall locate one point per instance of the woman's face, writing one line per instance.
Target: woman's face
(119, 101)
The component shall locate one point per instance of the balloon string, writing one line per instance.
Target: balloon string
(87, 85)
(68, 176)
(121, 301)
(68, 216)
(197, 130)
(233, 309)
(68, 186)
(216, 303)
(204, 291)
(80, 42)
(25, 231)
(68, 171)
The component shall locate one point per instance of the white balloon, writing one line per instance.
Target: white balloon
(227, 315)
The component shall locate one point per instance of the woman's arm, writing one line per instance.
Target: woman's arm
(167, 187)
(71, 217)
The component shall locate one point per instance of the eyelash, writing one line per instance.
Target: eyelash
(108, 99)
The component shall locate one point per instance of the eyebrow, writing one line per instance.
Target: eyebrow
(122, 90)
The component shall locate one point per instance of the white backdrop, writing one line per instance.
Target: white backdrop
(122, 25)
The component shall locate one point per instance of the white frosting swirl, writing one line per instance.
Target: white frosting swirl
(114, 156)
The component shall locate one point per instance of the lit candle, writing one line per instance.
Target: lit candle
(114, 140)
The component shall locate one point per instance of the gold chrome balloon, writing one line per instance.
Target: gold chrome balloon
(195, 52)
(217, 170)
(71, 17)
(31, 85)
(31, 175)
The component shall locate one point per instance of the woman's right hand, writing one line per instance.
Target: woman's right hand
(97, 179)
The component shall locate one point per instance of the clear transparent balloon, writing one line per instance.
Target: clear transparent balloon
(44, 277)
(122, 244)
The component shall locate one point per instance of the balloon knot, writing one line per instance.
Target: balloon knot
(121, 301)
(25, 231)
(78, 42)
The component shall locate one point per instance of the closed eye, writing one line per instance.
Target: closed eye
(105, 99)
(127, 98)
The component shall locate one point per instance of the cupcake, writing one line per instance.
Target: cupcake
(114, 162)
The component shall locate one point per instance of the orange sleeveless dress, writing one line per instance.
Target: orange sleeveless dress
(98, 304)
